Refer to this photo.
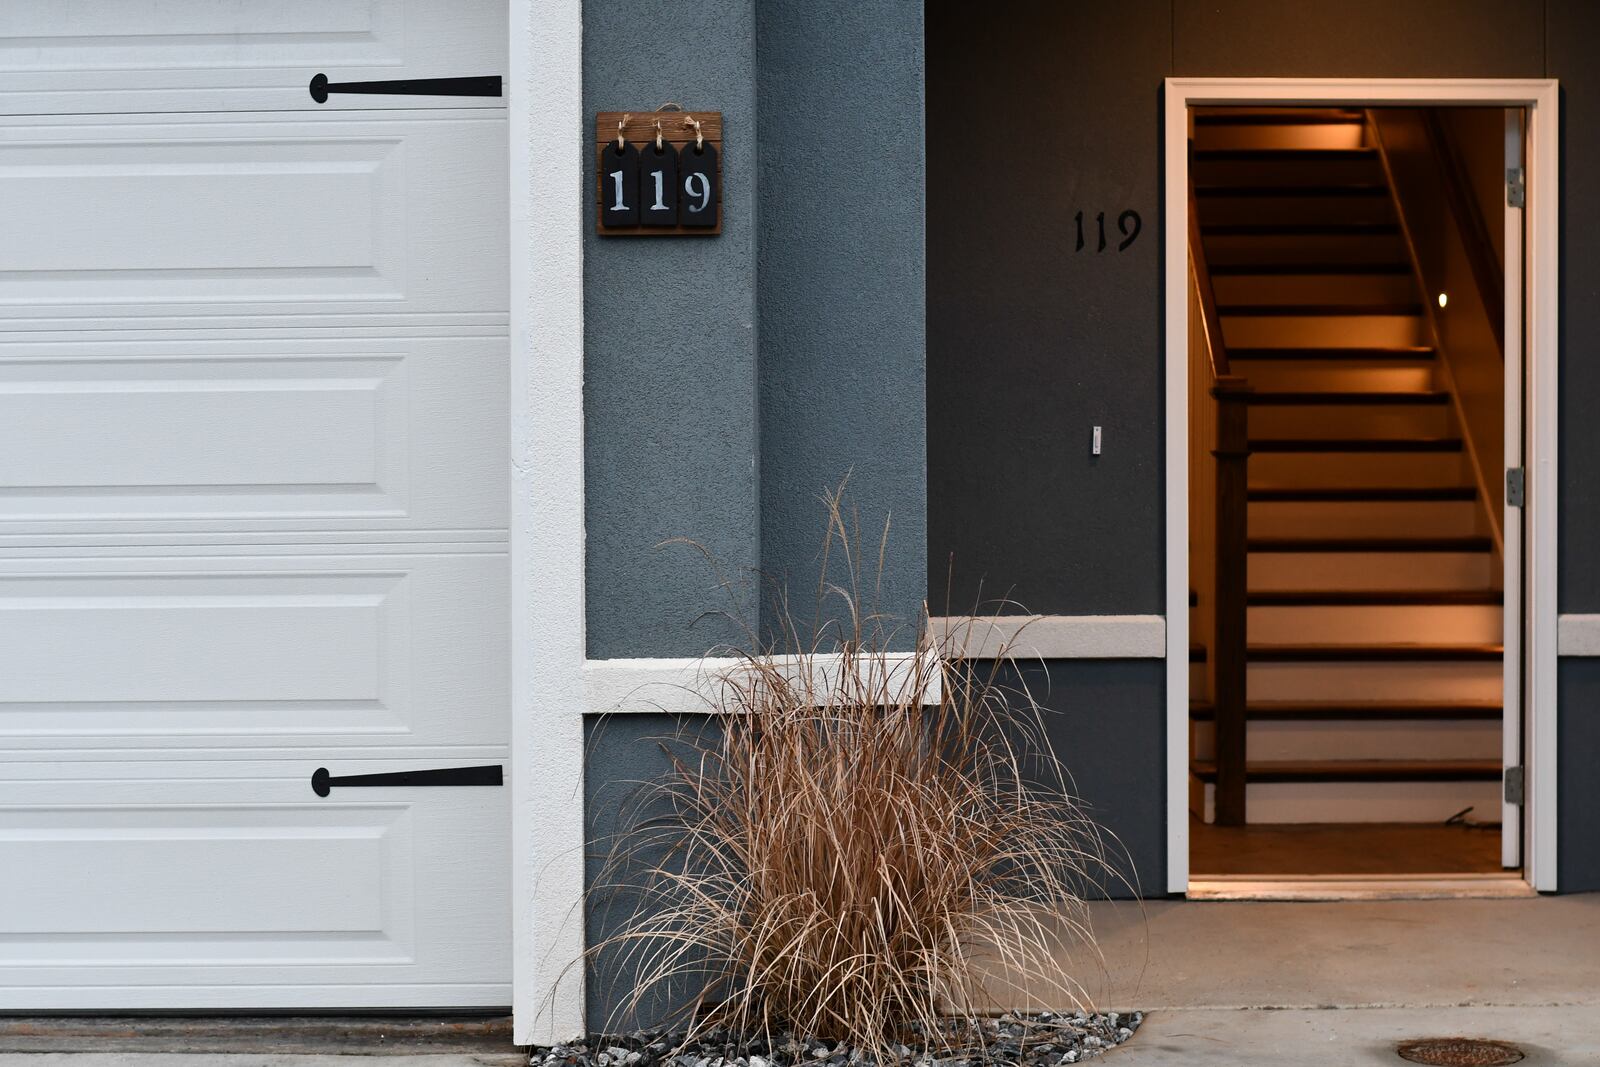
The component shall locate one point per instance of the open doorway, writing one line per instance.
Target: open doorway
(1354, 404)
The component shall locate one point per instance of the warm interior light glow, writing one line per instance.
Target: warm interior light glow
(1444, 298)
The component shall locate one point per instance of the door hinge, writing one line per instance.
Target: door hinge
(1516, 188)
(1516, 487)
(1514, 785)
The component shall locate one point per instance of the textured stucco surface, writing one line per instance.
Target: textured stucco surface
(670, 348)
(841, 284)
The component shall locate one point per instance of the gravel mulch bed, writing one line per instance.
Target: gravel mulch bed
(1044, 1039)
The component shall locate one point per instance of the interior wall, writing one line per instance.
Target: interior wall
(1038, 110)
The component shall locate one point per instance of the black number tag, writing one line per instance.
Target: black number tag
(697, 170)
(619, 185)
(658, 185)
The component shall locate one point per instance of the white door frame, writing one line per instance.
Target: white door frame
(1541, 99)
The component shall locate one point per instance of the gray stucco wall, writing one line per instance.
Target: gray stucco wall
(786, 354)
(670, 419)
(840, 286)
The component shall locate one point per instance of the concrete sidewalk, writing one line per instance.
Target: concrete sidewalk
(1231, 984)
(1254, 984)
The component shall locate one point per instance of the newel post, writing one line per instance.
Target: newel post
(1229, 633)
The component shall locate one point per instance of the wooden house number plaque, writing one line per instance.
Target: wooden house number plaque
(658, 173)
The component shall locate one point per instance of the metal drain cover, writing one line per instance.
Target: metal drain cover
(1459, 1052)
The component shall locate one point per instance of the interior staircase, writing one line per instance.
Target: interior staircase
(1374, 603)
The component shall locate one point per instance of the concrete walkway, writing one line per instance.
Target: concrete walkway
(1247, 984)
(1236, 985)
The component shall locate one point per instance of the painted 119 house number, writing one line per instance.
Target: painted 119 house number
(658, 184)
(1129, 225)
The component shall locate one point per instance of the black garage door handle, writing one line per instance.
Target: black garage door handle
(322, 782)
(488, 86)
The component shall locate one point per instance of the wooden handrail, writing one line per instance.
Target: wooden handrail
(1209, 322)
(1229, 593)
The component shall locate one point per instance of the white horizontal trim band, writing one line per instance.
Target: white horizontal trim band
(691, 686)
(1578, 635)
(1052, 636)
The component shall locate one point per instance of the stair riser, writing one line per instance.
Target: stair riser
(1416, 802)
(1252, 249)
(1295, 210)
(1427, 518)
(1350, 470)
(1286, 171)
(1313, 288)
(1310, 135)
(1297, 422)
(1370, 570)
(1442, 624)
(1424, 740)
(1356, 331)
(1323, 375)
(1403, 680)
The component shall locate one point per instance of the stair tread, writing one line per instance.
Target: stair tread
(1306, 154)
(1370, 544)
(1361, 770)
(1279, 118)
(1341, 190)
(1361, 653)
(1374, 352)
(1295, 398)
(1355, 444)
(1342, 597)
(1264, 311)
(1335, 711)
(1220, 270)
(1345, 494)
(1299, 229)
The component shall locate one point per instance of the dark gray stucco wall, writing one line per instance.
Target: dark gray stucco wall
(1359, 38)
(841, 286)
(1573, 27)
(670, 424)
(1098, 715)
(1037, 111)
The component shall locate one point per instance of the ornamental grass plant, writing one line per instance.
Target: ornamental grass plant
(864, 846)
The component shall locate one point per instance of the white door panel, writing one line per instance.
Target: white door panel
(219, 216)
(234, 884)
(404, 649)
(89, 56)
(389, 434)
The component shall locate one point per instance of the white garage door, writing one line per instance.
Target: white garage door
(252, 506)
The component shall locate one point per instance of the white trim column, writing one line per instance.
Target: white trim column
(545, 88)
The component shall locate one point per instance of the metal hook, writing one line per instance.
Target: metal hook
(699, 138)
(622, 144)
(658, 136)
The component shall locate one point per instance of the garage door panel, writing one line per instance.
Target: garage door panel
(232, 216)
(245, 434)
(254, 439)
(331, 650)
(236, 874)
(82, 56)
